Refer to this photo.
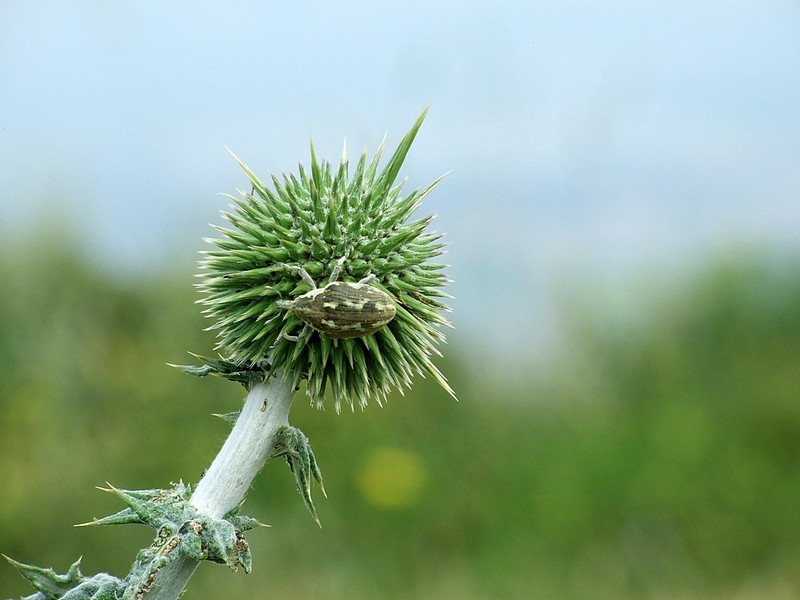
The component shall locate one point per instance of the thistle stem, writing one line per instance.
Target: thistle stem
(225, 483)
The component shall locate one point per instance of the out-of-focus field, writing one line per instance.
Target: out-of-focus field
(662, 460)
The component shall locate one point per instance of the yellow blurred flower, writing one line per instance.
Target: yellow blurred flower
(392, 478)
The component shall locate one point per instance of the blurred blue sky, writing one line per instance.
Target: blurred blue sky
(587, 140)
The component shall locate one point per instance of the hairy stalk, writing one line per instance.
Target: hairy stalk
(225, 483)
(227, 480)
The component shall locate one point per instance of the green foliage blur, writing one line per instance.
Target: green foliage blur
(662, 460)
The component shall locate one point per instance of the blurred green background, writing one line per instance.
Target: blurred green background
(657, 457)
(623, 213)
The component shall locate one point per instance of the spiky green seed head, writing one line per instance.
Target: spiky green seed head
(311, 227)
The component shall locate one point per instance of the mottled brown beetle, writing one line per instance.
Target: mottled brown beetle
(341, 309)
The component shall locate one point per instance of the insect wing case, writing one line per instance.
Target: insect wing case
(345, 310)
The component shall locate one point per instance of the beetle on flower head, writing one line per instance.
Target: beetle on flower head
(340, 309)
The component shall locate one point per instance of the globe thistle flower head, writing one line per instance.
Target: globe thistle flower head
(305, 231)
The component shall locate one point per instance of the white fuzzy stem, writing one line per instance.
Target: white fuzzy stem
(227, 480)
